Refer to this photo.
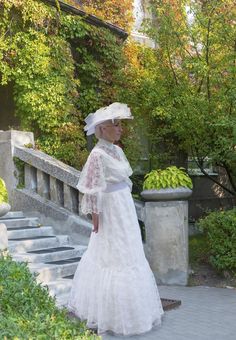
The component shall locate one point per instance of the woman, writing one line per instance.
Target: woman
(113, 288)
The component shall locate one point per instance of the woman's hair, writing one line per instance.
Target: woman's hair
(98, 130)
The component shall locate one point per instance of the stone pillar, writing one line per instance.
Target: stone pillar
(8, 171)
(3, 237)
(166, 246)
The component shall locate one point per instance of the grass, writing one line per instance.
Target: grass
(198, 250)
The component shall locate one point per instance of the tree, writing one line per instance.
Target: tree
(187, 90)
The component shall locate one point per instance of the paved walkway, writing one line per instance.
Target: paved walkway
(205, 314)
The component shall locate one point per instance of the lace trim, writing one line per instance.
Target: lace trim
(109, 148)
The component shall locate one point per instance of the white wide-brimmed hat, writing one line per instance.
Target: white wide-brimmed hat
(111, 112)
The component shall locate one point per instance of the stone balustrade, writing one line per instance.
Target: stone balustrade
(49, 178)
(43, 185)
(40, 185)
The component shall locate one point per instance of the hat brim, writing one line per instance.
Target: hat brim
(111, 112)
(91, 130)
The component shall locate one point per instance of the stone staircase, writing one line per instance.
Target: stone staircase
(53, 257)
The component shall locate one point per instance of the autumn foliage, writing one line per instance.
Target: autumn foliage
(117, 12)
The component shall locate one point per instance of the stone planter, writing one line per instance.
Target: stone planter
(167, 194)
(4, 209)
(166, 224)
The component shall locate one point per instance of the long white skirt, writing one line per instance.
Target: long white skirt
(114, 288)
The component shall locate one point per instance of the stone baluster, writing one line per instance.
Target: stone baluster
(56, 191)
(75, 200)
(43, 187)
(70, 198)
(30, 174)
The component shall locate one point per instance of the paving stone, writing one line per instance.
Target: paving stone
(205, 314)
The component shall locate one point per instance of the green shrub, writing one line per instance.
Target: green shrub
(220, 228)
(3, 192)
(171, 177)
(28, 312)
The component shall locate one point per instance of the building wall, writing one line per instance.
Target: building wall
(208, 196)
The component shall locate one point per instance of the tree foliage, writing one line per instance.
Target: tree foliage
(186, 88)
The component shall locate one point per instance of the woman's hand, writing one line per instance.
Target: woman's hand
(95, 219)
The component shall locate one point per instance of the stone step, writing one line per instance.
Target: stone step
(69, 277)
(20, 246)
(12, 215)
(51, 257)
(51, 254)
(21, 222)
(29, 232)
(59, 287)
(23, 228)
(51, 272)
(62, 300)
(85, 227)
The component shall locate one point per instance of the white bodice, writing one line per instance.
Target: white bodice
(106, 165)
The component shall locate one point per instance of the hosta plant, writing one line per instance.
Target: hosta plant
(171, 177)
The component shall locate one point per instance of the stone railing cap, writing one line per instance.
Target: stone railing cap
(48, 164)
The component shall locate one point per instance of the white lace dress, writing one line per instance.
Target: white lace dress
(113, 288)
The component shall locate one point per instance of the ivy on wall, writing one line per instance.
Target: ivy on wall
(61, 69)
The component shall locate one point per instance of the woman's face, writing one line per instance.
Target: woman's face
(111, 131)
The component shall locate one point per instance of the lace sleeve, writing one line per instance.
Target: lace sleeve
(91, 184)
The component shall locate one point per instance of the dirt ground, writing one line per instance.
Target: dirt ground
(205, 275)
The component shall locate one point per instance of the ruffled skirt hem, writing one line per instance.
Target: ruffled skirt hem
(122, 302)
(95, 328)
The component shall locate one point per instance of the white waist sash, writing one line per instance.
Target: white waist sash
(111, 187)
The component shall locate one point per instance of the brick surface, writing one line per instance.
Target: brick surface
(206, 313)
